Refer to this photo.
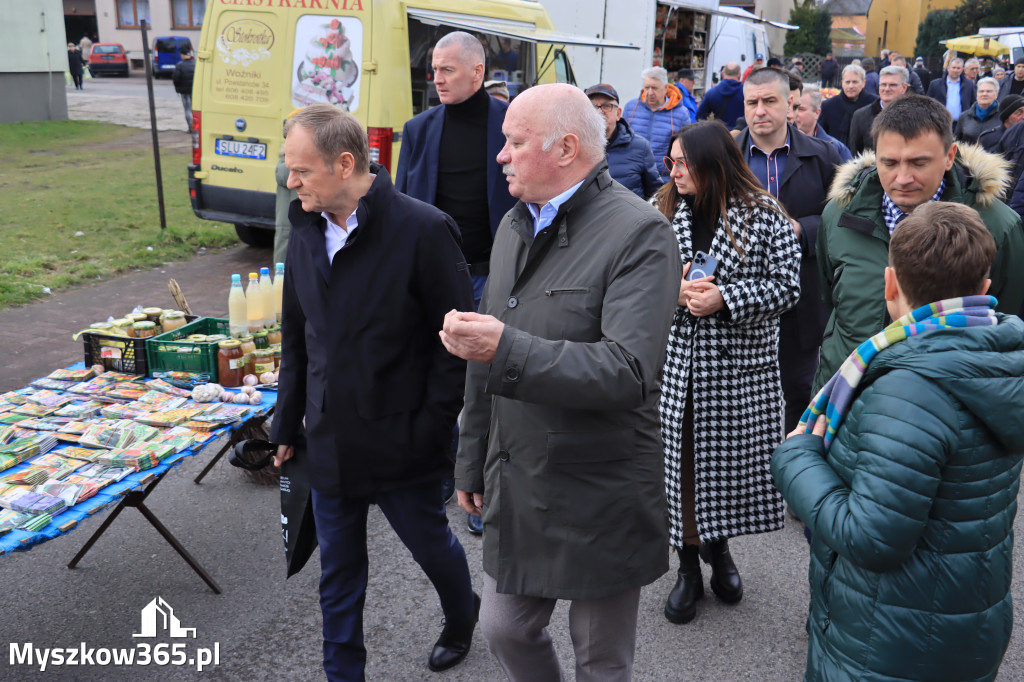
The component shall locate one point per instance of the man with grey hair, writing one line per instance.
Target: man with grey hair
(837, 112)
(658, 114)
(561, 444)
(892, 83)
(807, 113)
(953, 90)
(972, 67)
(448, 160)
(360, 259)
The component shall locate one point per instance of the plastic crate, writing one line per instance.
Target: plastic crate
(171, 351)
(115, 353)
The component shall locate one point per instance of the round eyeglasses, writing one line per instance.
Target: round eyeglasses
(606, 107)
(671, 163)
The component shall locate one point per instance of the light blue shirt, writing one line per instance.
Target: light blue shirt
(953, 98)
(543, 216)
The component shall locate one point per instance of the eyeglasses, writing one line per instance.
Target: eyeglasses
(671, 163)
(606, 107)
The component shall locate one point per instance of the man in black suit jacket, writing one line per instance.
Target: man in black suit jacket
(369, 276)
(797, 170)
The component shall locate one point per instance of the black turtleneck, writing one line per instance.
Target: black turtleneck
(702, 227)
(462, 174)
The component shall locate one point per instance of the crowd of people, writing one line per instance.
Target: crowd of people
(631, 305)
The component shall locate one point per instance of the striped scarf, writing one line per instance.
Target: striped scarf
(836, 396)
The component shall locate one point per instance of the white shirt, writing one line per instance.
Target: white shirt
(336, 235)
(543, 216)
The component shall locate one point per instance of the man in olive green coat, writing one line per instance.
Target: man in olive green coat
(560, 445)
(915, 162)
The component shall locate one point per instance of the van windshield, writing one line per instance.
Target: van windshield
(506, 59)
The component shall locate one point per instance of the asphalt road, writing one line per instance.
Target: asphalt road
(267, 628)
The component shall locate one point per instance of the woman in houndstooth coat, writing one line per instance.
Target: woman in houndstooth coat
(721, 403)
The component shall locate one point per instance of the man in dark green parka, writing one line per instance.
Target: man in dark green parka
(915, 162)
(911, 509)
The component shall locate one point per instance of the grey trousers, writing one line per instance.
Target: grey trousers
(603, 633)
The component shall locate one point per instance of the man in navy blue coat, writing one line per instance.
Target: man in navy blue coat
(939, 89)
(449, 159)
(369, 277)
(797, 170)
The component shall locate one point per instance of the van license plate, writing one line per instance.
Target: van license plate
(246, 150)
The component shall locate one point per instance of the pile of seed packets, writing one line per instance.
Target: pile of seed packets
(75, 432)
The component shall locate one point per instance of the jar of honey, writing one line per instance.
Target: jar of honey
(123, 327)
(230, 363)
(274, 335)
(249, 349)
(173, 320)
(144, 330)
(276, 348)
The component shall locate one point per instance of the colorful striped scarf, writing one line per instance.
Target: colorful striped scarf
(836, 396)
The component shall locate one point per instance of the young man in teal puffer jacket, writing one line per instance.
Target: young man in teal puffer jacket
(909, 480)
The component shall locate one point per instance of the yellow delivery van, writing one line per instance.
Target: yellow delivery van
(258, 60)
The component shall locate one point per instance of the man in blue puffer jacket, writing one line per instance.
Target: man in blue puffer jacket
(912, 506)
(658, 114)
(630, 161)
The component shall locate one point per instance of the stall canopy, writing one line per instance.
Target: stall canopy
(521, 30)
(726, 11)
(978, 45)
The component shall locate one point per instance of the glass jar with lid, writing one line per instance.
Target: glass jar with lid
(249, 349)
(153, 314)
(260, 339)
(264, 361)
(173, 320)
(145, 329)
(230, 363)
(274, 335)
(123, 327)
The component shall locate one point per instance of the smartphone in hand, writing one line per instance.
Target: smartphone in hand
(703, 265)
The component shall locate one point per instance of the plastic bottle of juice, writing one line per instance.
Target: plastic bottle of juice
(267, 291)
(254, 304)
(237, 322)
(278, 289)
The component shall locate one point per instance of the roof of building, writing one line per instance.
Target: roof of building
(847, 7)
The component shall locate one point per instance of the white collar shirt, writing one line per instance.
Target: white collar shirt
(336, 236)
(543, 215)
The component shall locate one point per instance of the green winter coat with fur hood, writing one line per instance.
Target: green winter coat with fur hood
(853, 247)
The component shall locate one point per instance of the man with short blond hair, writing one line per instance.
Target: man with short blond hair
(561, 445)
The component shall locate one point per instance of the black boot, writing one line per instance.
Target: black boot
(681, 606)
(725, 579)
(454, 642)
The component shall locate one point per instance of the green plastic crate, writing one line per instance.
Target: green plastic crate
(171, 351)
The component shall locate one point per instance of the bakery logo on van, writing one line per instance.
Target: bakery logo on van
(247, 33)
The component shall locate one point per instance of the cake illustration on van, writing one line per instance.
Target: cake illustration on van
(329, 68)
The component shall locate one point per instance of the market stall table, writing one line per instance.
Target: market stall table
(132, 491)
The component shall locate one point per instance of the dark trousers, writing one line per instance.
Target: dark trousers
(418, 516)
(797, 366)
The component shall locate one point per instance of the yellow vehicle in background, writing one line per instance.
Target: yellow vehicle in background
(258, 60)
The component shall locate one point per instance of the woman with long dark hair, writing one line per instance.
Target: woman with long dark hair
(721, 403)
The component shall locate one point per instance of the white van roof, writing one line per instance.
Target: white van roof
(511, 28)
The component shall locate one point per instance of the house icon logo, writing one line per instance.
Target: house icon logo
(158, 618)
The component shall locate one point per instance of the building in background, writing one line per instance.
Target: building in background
(849, 27)
(117, 21)
(33, 59)
(893, 24)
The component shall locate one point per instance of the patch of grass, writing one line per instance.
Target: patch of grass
(58, 180)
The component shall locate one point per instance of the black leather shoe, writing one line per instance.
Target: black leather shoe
(453, 644)
(681, 606)
(475, 524)
(725, 579)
